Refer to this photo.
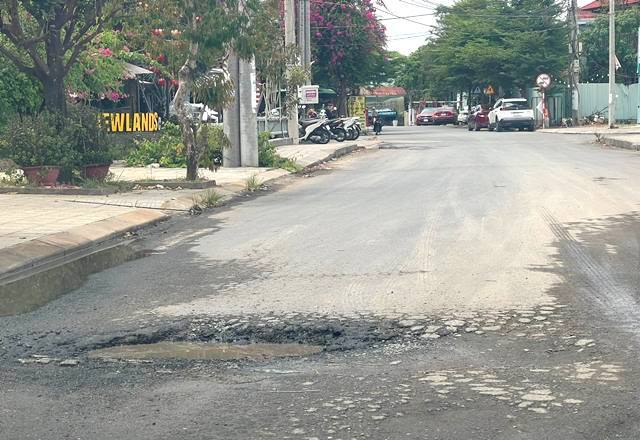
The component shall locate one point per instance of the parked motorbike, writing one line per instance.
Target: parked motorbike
(314, 130)
(336, 127)
(352, 127)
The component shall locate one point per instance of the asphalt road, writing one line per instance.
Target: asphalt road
(463, 286)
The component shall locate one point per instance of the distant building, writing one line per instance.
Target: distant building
(591, 11)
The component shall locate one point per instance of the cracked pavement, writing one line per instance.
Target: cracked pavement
(462, 286)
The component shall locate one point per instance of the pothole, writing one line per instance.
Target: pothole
(204, 351)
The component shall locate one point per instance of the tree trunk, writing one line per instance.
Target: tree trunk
(180, 104)
(55, 96)
(342, 101)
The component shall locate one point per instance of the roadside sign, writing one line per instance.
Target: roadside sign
(543, 81)
(356, 107)
(309, 94)
(477, 91)
(489, 90)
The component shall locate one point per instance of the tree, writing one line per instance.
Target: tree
(480, 42)
(45, 38)
(348, 45)
(595, 41)
(202, 33)
(272, 54)
(19, 93)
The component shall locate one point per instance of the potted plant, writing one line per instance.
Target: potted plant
(96, 164)
(91, 140)
(38, 145)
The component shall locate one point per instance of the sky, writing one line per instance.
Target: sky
(408, 34)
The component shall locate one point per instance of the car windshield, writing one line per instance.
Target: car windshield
(428, 110)
(515, 105)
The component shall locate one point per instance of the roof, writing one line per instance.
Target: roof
(387, 91)
(133, 70)
(599, 4)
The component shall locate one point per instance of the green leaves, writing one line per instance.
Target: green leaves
(595, 47)
(480, 42)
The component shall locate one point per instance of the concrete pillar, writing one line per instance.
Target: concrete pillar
(248, 117)
(231, 155)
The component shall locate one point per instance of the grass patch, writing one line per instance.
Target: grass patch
(252, 183)
(208, 199)
(109, 182)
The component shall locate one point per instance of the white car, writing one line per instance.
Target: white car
(511, 113)
(463, 116)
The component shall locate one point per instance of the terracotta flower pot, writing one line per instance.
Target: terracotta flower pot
(96, 171)
(42, 176)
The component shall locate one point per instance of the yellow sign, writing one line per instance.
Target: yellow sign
(131, 122)
(356, 106)
(489, 90)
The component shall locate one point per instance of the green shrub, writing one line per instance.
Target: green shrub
(85, 132)
(166, 149)
(268, 157)
(46, 138)
(215, 141)
(39, 140)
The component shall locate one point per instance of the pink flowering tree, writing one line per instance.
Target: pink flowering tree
(44, 39)
(348, 45)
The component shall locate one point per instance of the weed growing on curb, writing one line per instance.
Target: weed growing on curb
(599, 137)
(208, 199)
(252, 183)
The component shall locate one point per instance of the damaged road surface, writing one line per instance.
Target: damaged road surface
(452, 285)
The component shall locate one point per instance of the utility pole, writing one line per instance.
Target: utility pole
(290, 39)
(612, 63)
(638, 72)
(304, 34)
(574, 70)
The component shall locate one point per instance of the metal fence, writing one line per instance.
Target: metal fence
(595, 98)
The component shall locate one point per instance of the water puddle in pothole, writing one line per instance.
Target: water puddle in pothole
(203, 350)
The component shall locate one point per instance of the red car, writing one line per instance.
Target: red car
(478, 118)
(444, 116)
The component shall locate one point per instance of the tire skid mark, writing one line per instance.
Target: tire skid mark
(615, 300)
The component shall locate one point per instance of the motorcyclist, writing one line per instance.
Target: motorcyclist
(377, 123)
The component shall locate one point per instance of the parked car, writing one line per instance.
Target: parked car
(444, 116)
(426, 116)
(463, 116)
(511, 113)
(478, 118)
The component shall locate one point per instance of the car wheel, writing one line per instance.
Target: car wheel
(490, 127)
(477, 128)
(532, 127)
(499, 126)
(469, 127)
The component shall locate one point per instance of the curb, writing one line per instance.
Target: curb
(342, 151)
(27, 270)
(583, 133)
(620, 143)
(40, 270)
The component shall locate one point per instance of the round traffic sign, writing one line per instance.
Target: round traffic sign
(543, 80)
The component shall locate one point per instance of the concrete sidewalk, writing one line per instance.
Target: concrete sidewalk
(593, 129)
(38, 228)
(626, 136)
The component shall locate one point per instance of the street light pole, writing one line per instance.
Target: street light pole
(612, 63)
